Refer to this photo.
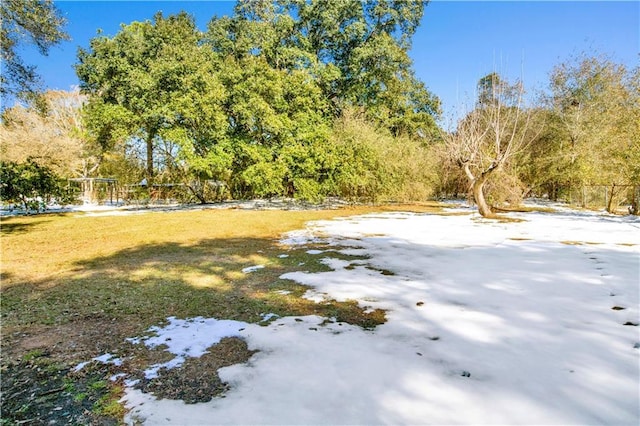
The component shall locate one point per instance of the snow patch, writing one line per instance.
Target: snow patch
(105, 359)
(487, 323)
(187, 338)
(268, 317)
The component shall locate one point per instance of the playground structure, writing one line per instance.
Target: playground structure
(96, 190)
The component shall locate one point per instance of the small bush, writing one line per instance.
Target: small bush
(32, 185)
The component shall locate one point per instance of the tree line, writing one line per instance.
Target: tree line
(311, 99)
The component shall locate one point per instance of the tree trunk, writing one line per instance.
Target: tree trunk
(477, 187)
(198, 193)
(634, 209)
(150, 159)
(478, 195)
(610, 206)
(25, 203)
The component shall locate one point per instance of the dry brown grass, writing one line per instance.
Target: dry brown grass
(37, 249)
(63, 275)
(49, 247)
(75, 287)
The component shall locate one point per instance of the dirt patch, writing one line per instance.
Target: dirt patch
(37, 390)
(197, 379)
(69, 343)
(39, 384)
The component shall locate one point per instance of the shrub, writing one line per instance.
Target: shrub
(377, 166)
(32, 185)
(504, 188)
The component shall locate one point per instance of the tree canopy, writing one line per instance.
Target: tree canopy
(53, 138)
(253, 100)
(591, 132)
(35, 22)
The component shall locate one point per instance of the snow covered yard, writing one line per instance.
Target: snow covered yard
(531, 322)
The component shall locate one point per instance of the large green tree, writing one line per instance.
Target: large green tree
(253, 101)
(150, 78)
(356, 51)
(216, 108)
(35, 22)
(368, 43)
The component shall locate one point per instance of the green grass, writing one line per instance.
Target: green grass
(31, 355)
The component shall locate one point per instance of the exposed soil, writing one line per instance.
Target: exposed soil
(197, 379)
(40, 384)
(72, 342)
(39, 391)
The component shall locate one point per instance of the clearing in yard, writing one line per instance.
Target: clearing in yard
(238, 317)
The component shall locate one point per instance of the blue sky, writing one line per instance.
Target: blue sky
(457, 43)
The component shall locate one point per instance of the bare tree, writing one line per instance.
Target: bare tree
(490, 136)
(54, 137)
